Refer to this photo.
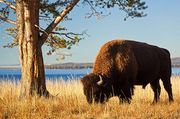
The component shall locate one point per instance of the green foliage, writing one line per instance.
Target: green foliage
(13, 33)
(58, 40)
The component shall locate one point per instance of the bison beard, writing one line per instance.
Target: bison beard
(121, 64)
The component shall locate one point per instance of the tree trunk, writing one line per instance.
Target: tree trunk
(31, 58)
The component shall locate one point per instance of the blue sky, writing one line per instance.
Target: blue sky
(160, 27)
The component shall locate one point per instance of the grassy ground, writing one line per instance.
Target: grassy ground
(71, 104)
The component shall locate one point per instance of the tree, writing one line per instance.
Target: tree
(30, 36)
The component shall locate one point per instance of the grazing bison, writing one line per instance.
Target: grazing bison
(121, 64)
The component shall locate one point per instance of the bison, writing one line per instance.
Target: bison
(121, 64)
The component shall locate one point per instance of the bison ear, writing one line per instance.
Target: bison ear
(100, 82)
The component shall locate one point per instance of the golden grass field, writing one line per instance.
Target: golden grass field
(70, 103)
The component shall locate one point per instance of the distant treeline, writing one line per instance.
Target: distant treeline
(70, 66)
(79, 66)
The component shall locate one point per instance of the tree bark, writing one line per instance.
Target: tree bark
(30, 50)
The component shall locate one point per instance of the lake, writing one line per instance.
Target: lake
(54, 74)
(65, 74)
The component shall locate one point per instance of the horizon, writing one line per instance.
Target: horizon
(160, 27)
(14, 65)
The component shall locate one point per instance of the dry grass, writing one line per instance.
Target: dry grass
(71, 104)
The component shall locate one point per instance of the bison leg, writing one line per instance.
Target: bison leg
(167, 86)
(125, 96)
(126, 91)
(123, 99)
(156, 89)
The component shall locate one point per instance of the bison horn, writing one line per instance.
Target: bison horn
(100, 82)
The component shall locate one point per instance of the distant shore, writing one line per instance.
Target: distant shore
(55, 66)
(68, 66)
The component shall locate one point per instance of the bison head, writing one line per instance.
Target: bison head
(95, 88)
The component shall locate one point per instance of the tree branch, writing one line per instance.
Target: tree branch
(57, 20)
(94, 11)
(9, 4)
(7, 20)
(69, 33)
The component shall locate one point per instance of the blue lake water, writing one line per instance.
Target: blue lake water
(64, 74)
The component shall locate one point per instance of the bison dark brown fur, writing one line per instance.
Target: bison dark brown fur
(121, 64)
